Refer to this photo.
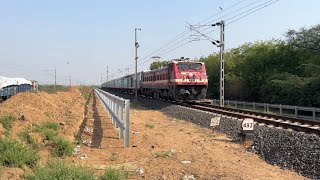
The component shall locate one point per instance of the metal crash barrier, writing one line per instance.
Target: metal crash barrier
(118, 110)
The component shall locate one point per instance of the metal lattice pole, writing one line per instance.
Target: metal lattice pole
(222, 63)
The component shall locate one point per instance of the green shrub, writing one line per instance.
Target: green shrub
(61, 147)
(112, 174)
(59, 170)
(16, 154)
(148, 125)
(162, 154)
(48, 129)
(53, 89)
(113, 157)
(25, 136)
(49, 125)
(6, 122)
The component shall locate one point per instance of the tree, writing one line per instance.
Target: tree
(158, 64)
(275, 71)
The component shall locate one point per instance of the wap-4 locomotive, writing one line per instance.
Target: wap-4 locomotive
(180, 80)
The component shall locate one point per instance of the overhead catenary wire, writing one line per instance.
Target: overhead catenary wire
(185, 32)
(164, 49)
(239, 9)
(246, 13)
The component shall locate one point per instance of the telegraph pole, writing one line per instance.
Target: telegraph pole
(221, 45)
(107, 74)
(136, 44)
(70, 80)
(101, 78)
(55, 78)
(222, 63)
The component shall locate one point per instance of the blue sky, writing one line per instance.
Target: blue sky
(41, 35)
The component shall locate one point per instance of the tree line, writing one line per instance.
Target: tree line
(280, 71)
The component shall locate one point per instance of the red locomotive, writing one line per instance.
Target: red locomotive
(180, 80)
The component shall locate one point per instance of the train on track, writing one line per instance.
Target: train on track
(12, 86)
(181, 80)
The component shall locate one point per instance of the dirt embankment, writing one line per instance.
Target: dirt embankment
(65, 108)
(160, 147)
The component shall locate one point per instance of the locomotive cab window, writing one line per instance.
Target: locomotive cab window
(196, 66)
(183, 66)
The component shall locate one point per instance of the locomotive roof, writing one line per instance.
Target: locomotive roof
(183, 61)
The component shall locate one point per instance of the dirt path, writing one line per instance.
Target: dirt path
(168, 148)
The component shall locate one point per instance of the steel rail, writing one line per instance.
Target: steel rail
(300, 125)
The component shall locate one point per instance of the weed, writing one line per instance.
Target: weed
(162, 154)
(85, 91)
(6, 133)
(61, 147)
(16, 154)
(148, 125)
(60, 170)
(25, 136)
(48, 129)
(78, 139)
(6, 122)
(49, 125)
(112, 174)
(113, 157)
(53, 89)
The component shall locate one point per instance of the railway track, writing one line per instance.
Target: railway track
(301, 125)
(271, 120)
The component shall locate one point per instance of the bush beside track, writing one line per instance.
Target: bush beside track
(288, 149)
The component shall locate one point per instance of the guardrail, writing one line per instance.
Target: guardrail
(310, 113)
(118, 110)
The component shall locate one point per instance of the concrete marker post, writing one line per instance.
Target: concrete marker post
(247, 129)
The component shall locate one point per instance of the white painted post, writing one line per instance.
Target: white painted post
(117, 115)
(127, 124)
(121, 120)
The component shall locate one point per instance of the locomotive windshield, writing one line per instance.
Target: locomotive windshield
(183, 66)
(193, 66)
(196, 66)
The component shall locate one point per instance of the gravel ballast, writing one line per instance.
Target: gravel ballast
(288, 149)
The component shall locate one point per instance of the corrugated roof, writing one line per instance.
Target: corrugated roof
(5, 81)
